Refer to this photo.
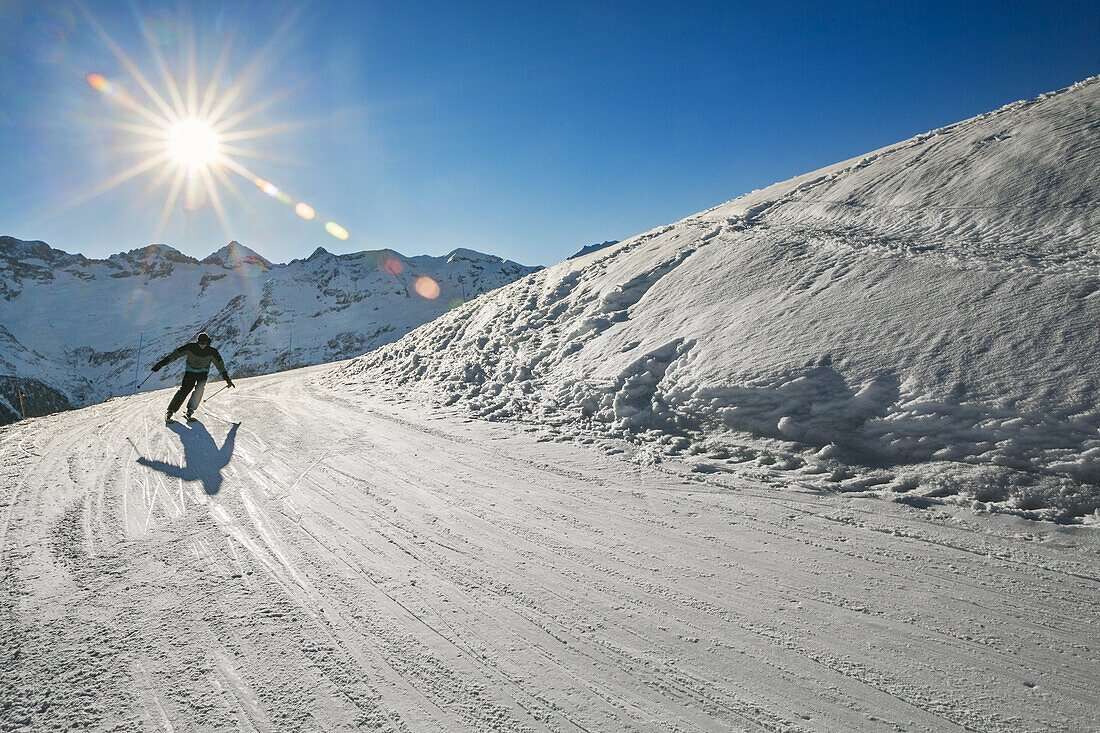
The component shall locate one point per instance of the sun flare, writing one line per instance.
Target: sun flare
(193, 143)
(188, 136)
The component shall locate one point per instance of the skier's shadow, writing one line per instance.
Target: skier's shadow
(203, 460)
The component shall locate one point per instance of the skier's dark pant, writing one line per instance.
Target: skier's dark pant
(191, 381)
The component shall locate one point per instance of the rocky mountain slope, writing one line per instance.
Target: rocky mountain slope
(70, 326)
(918, 323)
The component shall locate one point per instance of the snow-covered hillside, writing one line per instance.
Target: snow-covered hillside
(70, 326)
(919, 323)
(304, 559)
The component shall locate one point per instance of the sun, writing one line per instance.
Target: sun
(188, 135)
(193, 143)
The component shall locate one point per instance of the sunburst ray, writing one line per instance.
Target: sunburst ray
(210, 95)
(285, 127)
(192, 129)
(166, 172)
(192, 76)
(136, 170)
(226, 181)
(232, 121)
(243, 153)
(157, 132)
(215, 201)
(170, 202)
(132, 68)
(151, 146)
(169, 80)
(238, 169)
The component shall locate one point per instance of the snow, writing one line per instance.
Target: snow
(786, 465)
(928, 311)
(263, 317)
(308, 559)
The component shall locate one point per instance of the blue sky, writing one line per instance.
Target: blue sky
(523, 129)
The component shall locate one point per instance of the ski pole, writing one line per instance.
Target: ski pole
(137, 364)
(142, 382)
(217, 393)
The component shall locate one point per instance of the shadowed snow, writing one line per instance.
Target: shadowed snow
(203, 459)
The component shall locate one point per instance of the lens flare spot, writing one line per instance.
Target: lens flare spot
(336, 230)
(139, 306)
(99, 83)
(193, 143)
(392, 265)
(304, 210)
(455, 303)
(425, 287)
(267, 187)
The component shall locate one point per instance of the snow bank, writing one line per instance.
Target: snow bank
(919, 323)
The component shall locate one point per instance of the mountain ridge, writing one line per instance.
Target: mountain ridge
(13, 247)
(264, 316)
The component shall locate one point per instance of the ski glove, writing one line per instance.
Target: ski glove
(156, 367)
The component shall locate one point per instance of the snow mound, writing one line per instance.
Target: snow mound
(918, 323)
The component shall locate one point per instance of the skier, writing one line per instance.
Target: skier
(199, 355)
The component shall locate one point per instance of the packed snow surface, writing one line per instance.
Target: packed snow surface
(305, 559)
(919, 322)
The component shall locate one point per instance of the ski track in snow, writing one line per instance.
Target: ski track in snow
(372, 564)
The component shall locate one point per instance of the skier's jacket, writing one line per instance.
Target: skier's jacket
(198, 359)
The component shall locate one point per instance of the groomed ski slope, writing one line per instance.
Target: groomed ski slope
(306, 559)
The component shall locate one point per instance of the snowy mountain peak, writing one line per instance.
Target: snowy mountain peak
(17, 255)
(589, 249)
(236, 254)
(153, 252)
(15, 249)
(462, 254)
(154, 260)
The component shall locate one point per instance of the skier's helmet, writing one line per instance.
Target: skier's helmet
(203, 338)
